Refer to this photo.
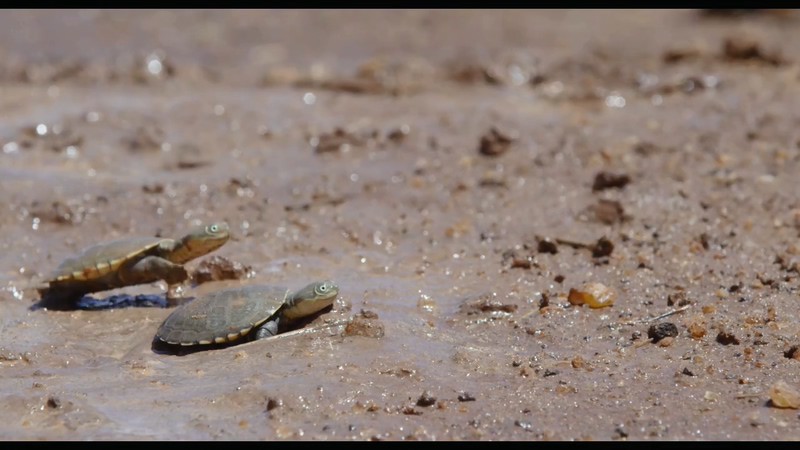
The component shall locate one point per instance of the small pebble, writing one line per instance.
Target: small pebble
(726, 338)
(594, 295)
(608, 212)
(217, 268)
(362, 325)
(678, 298)
(697, 330)
(495, 142)
(783, 395)
(603, 247)
(662, 330)
(410, 411)
(547, 246)
(273, 403)
(606, 180)
(465, 397)
(53, 402)
(426, 399)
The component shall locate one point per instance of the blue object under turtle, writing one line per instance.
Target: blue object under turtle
(122, 301)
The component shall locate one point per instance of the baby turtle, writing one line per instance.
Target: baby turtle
(132, 261)
(254, 311)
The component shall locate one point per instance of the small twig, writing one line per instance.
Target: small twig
(572, 244)
(740, 396)
(667, 314)
(651, 319)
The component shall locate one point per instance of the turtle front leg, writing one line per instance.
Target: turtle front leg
(269, 329)
(153, 268)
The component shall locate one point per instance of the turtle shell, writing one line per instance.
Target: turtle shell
(102, 259)
(222, 316)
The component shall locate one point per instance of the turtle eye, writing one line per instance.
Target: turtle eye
(214, 228)
(323, 288)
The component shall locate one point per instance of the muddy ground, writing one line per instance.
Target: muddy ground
(457, 174)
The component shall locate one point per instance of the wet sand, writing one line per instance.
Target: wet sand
(457, 174)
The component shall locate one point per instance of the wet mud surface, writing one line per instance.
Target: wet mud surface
(544, 225)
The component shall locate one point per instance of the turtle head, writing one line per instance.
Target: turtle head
(311, 299)
(200, 241)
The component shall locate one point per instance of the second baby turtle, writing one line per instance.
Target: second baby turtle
(254, 310)
(132, 261)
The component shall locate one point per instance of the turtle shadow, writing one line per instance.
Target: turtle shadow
(55, 302)
(162, 348)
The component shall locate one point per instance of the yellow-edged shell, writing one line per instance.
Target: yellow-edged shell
(222, 316)
(102, 259)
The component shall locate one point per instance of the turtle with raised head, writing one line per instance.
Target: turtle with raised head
(131, 261)
(243, 313)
